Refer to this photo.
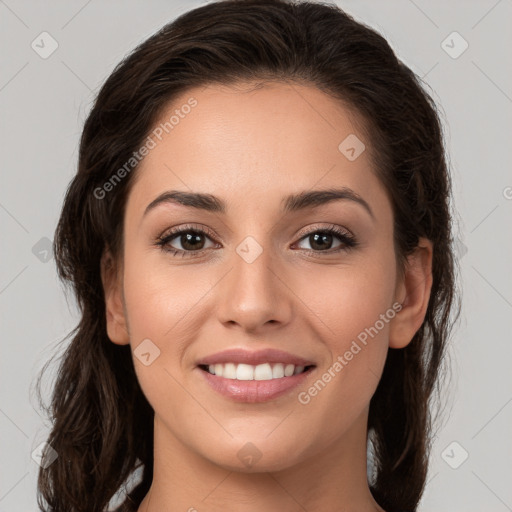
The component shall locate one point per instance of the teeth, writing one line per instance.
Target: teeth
(278, 371)
(288, 371)
(229, 371)
(218, 369)
(265, 371)
(244, 372)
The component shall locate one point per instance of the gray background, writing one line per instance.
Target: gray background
(43, 105)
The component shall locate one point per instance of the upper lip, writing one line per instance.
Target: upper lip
(254, 357)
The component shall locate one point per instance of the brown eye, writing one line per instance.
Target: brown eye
(190, 241)
(322, 240)
(185, 240)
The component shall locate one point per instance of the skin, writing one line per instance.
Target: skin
(251, 148)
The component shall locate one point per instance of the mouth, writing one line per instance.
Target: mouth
(246, 383)
(260, 372)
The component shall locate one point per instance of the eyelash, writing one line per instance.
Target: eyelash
(348, 240)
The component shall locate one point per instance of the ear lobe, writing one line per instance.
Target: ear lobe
(413, 292)
(117, 327)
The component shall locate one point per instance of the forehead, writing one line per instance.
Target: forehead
(242, 143)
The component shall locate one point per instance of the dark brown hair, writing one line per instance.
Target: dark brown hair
(102, 425)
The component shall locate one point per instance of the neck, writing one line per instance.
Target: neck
(335, 479)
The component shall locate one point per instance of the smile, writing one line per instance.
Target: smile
(245, 372)
(254, 384)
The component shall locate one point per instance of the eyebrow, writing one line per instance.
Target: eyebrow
(291, 203)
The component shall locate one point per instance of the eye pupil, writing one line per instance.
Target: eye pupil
(323, 237)
(192, 241)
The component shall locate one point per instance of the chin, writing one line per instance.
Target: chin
(256, 456)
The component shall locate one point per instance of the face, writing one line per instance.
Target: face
(221, 301)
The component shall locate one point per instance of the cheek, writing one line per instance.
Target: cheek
(352, 316)
(345, 302)
(157, 315)
(159, 298)
(162, 305)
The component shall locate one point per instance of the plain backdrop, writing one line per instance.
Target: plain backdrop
(43, 104)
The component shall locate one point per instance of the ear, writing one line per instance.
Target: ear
(413, 293)
(111, 277)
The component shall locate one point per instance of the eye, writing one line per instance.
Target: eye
(190, 239)
(321, 240)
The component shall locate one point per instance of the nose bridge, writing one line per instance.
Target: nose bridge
(253, 294)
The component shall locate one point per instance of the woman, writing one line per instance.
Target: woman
(259, 240)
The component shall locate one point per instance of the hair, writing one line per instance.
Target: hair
(102, 424)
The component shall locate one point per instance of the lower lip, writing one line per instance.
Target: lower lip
(254, 391)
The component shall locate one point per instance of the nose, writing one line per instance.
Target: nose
(254, 294)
